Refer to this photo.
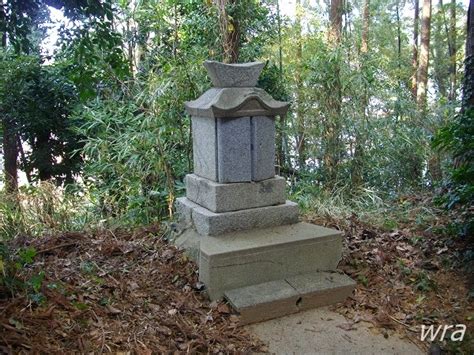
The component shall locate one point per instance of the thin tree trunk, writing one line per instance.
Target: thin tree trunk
(365, 27)
(280, 49)
(399, 36)
(332, 127)
(360, 139)
(300, 139)
(453, 47)
(130, 48)
(10, 155)
(424, 55)
(230, 32)
(335, 20)
(464, 159)
(281, 127)
(175, 29)
(450, 31)
(414, 60)
(23, 160)
(10, 148)
(468, 85)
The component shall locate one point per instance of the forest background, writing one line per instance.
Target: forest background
(380, 92)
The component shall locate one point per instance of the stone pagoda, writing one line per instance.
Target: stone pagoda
(236, 221)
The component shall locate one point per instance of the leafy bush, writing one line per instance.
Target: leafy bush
(457, 138)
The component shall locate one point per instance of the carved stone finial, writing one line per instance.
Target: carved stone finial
(233, 75)
(234, 93)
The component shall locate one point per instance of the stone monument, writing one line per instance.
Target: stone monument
(237, 224)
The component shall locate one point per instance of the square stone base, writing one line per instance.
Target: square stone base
(218, 197)
(207, 222)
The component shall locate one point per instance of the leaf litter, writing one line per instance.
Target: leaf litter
(132, 292)
(117, 291)
(408, 276)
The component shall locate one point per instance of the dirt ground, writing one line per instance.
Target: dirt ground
(323, 331)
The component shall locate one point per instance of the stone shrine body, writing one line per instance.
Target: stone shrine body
(236, 220)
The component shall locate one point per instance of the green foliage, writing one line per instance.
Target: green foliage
(456, 138)
(139, 148)
(39, 100)
(45, 209)
(11, 263)
(91, 55)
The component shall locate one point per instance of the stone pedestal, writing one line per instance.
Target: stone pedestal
(237, 222)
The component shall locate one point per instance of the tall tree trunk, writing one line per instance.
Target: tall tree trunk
(300, 139)
(365, 27)
(230, 31)
(453, 49)
(335, 22)
(332, 123)
(10, 148)
(281, 159)
(280, 48)
(467, 106)
(468, 85)
(422, 81)
(450, 30)
(399, 36)
(414, 60)
(360, 139)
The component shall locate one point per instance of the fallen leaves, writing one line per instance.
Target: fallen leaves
(117, 291)
(403, 280)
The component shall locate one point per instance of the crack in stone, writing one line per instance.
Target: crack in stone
(248, 263)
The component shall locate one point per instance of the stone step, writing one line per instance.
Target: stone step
(245, 258)
(290, 295)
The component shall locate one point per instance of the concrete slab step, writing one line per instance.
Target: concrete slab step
(290, 295)
(245, 258)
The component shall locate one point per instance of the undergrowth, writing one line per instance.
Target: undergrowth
(44, 209)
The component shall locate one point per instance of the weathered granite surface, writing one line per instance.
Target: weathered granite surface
(205, 147)
(225, 75)
(218, 197)
(234, 160)
(234, 149)
(235, 102)
(210, 223)
(252, 257)
(273, 299)
(263, 147)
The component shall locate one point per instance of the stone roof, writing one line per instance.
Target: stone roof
(236, 102)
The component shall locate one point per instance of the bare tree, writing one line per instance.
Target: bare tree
(452, 50)
(365, 27)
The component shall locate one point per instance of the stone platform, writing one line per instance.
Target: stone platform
(252, 257)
